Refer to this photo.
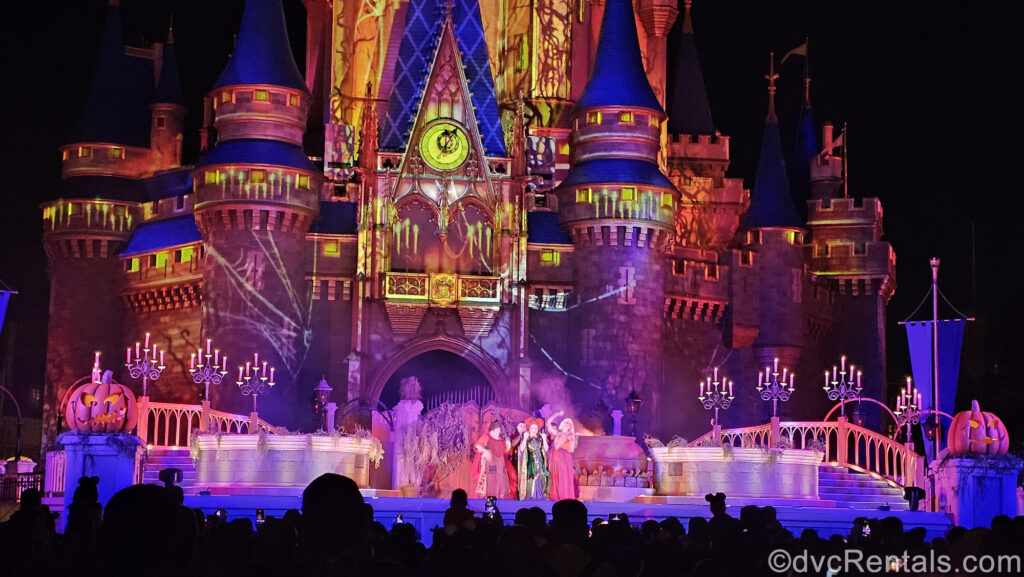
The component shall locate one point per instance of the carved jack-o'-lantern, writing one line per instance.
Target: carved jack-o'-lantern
(101, 407)
(977, 432)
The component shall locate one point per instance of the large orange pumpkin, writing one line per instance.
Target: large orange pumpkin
(977, 432)
(101, 407)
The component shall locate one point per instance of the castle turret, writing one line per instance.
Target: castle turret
(97, 208)
(257, 194)
(617, 206)
(773, 230)
(168, 118)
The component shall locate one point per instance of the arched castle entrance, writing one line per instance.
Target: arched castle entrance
(462, 356)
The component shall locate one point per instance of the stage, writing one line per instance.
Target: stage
(427, 513)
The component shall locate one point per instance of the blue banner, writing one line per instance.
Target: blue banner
(4, 297)
(919, 337)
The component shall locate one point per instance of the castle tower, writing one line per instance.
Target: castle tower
(168, 118)
(617, 206)
(773, 230)
(257, 195)
(697, 158)
(847, 246)
(97, 209)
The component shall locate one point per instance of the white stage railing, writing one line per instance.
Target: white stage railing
(171, 424)
(56, 466)
(844, 444)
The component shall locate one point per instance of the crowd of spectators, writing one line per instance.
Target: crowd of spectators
(145, 530)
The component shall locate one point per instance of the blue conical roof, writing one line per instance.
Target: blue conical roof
(118, 109)
(168, 89)
(771, 205)
(618, 78)
(262, 53)
(689, 111)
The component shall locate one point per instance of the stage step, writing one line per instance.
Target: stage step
(856, 490)
(159, 459)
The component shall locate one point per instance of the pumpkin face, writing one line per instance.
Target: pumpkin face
(103, 407)
(977, 432)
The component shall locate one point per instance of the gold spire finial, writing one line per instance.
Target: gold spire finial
(771, 77)
(448, 6)
(687, 22)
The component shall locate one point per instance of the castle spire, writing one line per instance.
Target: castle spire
(771, 203)
(117, 110)
(689, 110)
(618, 78)
(262, 53)
(168, 88)
(771, 77)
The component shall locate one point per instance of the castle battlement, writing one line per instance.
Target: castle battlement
(90, 218)
(623, 234)
(821, 212)
(699, 147)
(845, 259)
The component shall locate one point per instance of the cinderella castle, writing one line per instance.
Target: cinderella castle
(494, 197)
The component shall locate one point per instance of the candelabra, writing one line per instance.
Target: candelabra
(144, 363)
(772, 388)
(908, 408)
(253, 379)
(840, 384)
(717, 396)
(210, 369)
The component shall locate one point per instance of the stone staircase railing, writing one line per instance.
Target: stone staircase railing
(844, 444)
(171, 424)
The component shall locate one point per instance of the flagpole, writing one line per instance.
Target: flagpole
(936, 441)
(846, 153)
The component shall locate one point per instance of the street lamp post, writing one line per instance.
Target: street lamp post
(321, 400)
(718, 395)
(633, 402)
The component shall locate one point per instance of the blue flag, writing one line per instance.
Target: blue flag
(5, 296)
(919, 337)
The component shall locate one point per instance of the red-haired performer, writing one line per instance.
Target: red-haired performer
(564, 484)
(534, 479)
(489, 473)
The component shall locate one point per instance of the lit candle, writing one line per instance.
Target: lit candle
(792, 378)
(784, 374)
(208, 345)
(239, 374)
(161, 358)
(716, 374)
(199, 353)
(859, 375)
(760, 380)
(96, 361)
(271, 375)
(247, 365)
(256, 359)
(776, 364)
(216, 357)
(147, 340)
(128, 356)
(842, 362)
(702, 389)
(224, 363)
(834, 372)
(155, 347)
(192, 362)
(138, 349)
(826, 380)
(264, 369)
(730, 388)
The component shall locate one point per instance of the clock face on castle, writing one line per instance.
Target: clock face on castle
(444, 146)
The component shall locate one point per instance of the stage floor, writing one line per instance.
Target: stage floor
(427, 513)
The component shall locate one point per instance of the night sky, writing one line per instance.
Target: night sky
(927, 91)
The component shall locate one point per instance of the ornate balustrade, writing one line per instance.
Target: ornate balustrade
(171, 424)
(442, 289)
(844, 444)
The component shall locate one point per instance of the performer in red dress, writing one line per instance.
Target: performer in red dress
(564, 484)
(490, 473)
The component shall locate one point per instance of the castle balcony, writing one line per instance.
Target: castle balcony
(105, 159)
(442, 289)
(91, 217)
(260, 111)
(170, 265)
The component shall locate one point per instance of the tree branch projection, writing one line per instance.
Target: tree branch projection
(552, 60)
(244, 308)
(698, 222)
(359, 53)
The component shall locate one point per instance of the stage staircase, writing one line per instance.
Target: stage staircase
(856, 490)
(159, 458)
